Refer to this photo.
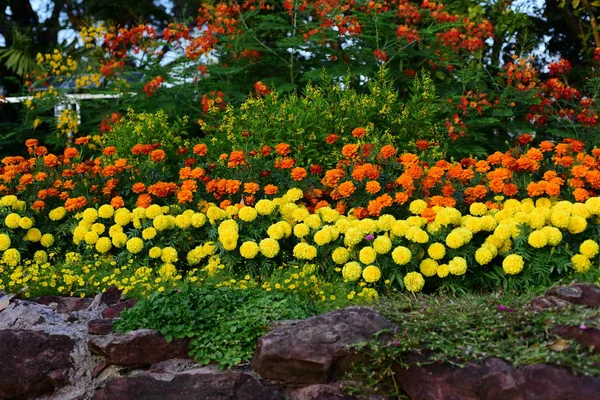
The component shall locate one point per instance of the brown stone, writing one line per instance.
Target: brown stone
(110, 296)
(102, 326)
(493, 379)
(315, 350)
(587, 295)
(33, 364)
(140, 348)
(320, 392)
(64, 305)
(115, 310)
(588, 337)
(200, 384)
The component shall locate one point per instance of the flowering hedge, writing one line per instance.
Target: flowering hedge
(518, 244)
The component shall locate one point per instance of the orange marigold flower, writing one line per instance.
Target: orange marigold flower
(38, 204)
(117, 202)
(546, 146)
(236, 158)
(143, 201)
(51, 160)
(332, 138)
(138, 187)
(200, 149)
(525, 138)
(581, 194)
(162, 189)
(387, 152)
(359, 132)
(401, 197)
(510, 189)
(448, 190)
(283, 149)
(185, 196)
(552, 189)
(224, 204)
(428, 214)
(376, 206)
(576, 182)
(593, 177)
(233, 186)
(75, 203)
(251, 187)
(31, 142)
(534, 189)
(332, 177)
(534, 154)
(408, 159)
(579, 171)
(82, 140)
(26, 179)
(346, 189)
(298, 174)
(40, 151)
(482, 166)
(350, 151)
(189, 184)
(373, 187)
(285, 163)
(265, 151)
(422, 144)
(157, 155)
(109, 151)
(271, 189)
(71, 152)
(361, 212)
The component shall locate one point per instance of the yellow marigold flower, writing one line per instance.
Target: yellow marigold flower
(169, 255)
(135, 245)
(589, 248)
(198, 220)
(122, 217)
(294, 194)
(553, 235)
(401, 255)
(313, 221)
(115, 229)
(57, 214)
(577, 224)
(119, 239)
(581, 263)
(304, 251)
(98, 228)
(276, 231)
(264, 207)
(167, 270)
(231, 211)
(153, 211)
(247, 214)
(47, 240)
(353, 236)
(367, 255)
(340, 255)
(488, 223)
(300, 214)
(4, 241)
(400, 227)
(454, 240)
(428, 267)
(559, 218)
(417, 206)
(103, 245)
(513, 264)
(11, 257)
(160, 223)
(91, 237)
(414, 282)
(25, 223)
(537, 239)
(484, 255)
(352, 271)
(155, 252)
(249, 249)
(40, 257)
(543, 202)
(437, 251)
(183, 221)
(149, 233)
(301, 230)
(329, 214)
(457, 266)
(368, 226)
(215, 213)
(593, 205)
(478, 209)
(322, 237)
(269, 247)
(443, 271)
(8, 200)
(473, 224)
(90, 215)
(106, 211)
(382, 244)
(580, 210)
(33, 235)
(73, 257)
(371, 274)
(385, 222)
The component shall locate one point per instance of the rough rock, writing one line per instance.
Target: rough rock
(198, 384)
(140, 348)
(33, 364)
(587, 295)
(65, 305)
(315, 350)
(320, 392)
(115, 310)
(493, 379)
(102, 326)
(588, 337)
(111, 296)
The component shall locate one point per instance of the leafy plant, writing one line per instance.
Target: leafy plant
(222, 323)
